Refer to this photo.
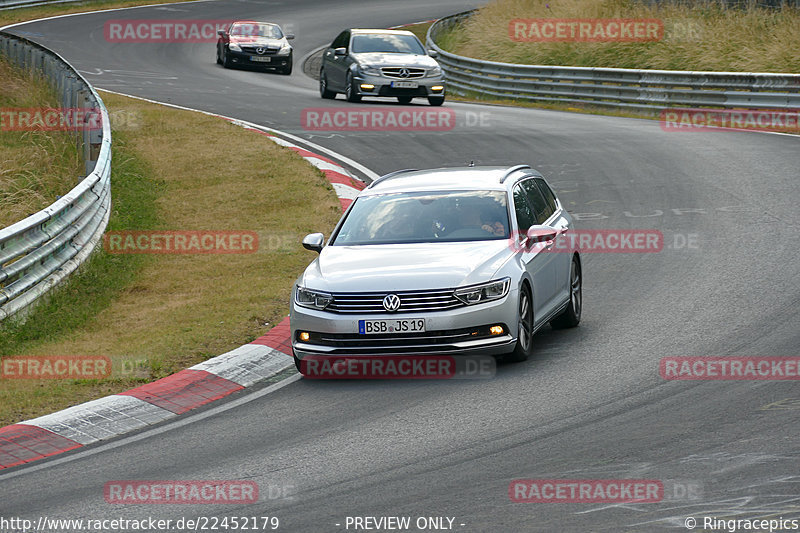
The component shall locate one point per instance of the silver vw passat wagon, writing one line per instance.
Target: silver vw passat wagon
(456, 261)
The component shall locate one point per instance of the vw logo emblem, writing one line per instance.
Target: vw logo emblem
(260, 51)
(404, 73)
(391, 302)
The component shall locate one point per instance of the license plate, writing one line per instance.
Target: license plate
(260, 59)
(376, 327)
(405, 84)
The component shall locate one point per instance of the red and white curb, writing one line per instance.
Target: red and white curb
(150, 404)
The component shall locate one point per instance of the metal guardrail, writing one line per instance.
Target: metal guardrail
(645, 90)
(43, 249)
(14, 4)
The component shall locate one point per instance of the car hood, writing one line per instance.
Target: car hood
(380, 59)
(398, 267)
(257, 41)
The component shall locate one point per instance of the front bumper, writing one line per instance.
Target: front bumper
(446, 332)
(245, 59)
(383, 86)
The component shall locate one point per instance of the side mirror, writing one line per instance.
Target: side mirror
(341, 51)
(289, 36)
(314, 242)
(538, 233)
(222, 33)
(433, 53)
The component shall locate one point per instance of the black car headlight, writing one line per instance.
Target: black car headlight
(485, 292)
(312, 299)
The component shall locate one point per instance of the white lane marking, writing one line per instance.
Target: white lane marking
(299, 140)
(155, 431)
(99, 11)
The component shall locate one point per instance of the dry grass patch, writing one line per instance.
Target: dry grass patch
(704, 36)
(23, 14)
(35, 166)
(178, 310)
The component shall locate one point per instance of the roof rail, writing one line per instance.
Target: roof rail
(511, 170)
(391, 175)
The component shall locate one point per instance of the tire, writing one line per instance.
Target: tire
(225, 61)
(323, 86)
(350, 91)
(219, 59)
(524, 346)
(296, 362)
(286, 71)
(405, 99)
(436, 100)
(571, 316)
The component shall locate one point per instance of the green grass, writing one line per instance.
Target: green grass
(705, 36)
(35, 166)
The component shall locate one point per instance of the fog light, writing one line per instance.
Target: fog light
(437, 88)
(496, 330)
(304, 336)
(367, 87)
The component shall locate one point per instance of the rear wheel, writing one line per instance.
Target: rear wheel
(350, 91)
(436, 100)
(571, 316)
(405, 99)
(524, 346)
(323, 86)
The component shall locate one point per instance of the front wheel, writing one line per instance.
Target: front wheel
(524, 346)
(226, 62)
(350, 91)
(287, 70)
(405, 99)
(323, 86)
(436, 100)
(571, 316)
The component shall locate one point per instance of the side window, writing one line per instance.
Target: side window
(540, 207)
(549, 196)
(342, 40)
(525, 217)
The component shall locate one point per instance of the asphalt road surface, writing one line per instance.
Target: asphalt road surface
(590, 404)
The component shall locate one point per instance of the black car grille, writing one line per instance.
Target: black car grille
(265, 50)
(410, 301)
(431, 341)
(396, 72)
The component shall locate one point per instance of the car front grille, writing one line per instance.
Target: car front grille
(266, 51)
(410, 301)
(431, 341)
(396, 72)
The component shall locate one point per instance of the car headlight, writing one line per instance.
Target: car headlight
(434, 72)
(312, 299)
(285, 49)
(233, 47)
(369, 70)
(485, 292)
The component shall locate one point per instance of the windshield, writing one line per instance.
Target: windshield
(390, 43)
(253, 29)
(448, 216)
